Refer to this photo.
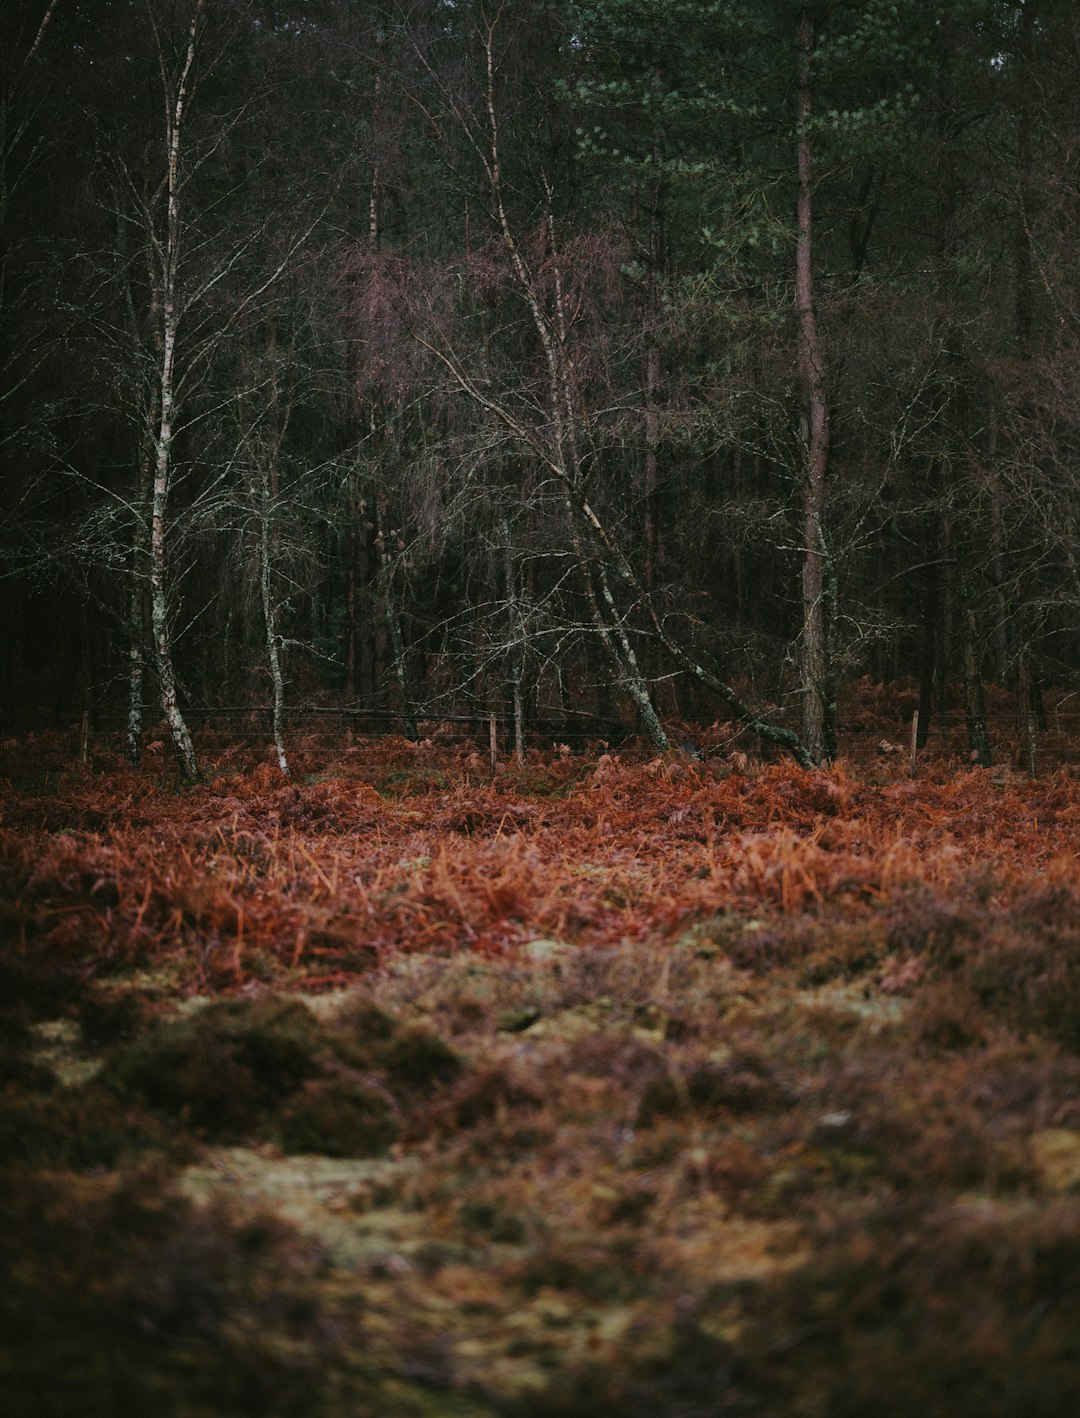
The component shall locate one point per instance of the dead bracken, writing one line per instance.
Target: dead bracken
(593, 1106)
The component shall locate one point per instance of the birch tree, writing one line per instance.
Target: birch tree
(166, 239)
(201, 255)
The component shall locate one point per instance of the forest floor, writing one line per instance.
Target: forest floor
(677, 1088)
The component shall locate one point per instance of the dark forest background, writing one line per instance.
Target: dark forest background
(648, 361)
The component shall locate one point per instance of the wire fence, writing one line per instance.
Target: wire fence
(354, 725)
(327, 734)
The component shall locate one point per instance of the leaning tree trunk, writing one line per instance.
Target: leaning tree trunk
(616, 642)
(558, 448)
(564, 455)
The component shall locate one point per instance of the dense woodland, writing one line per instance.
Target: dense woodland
(645, 361)
(699, 374)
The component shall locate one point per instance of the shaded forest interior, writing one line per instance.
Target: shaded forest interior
(604, 363)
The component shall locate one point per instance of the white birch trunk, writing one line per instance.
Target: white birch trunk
(170, 315)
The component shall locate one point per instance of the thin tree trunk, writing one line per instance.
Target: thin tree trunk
(269, 609)
(819, 721)
(366, 629)
(393, 619)
(1024, 311)
(653, 531)
(620, 651)
(974, 697)
(352, 530)
(170, 312)
(159, 612)
(136, 620)
(929, 669)
(134, 733)
(269, 472)
(652, 493)
(1025, 284)
(519, 722)
(1002, 651)
(634, 679)
(515, 639)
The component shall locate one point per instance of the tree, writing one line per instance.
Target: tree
(780, 127)
(198, 252)
(554, 420)
(818, 687)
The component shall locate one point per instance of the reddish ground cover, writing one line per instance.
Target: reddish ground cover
(684, 1086)
(246, 873)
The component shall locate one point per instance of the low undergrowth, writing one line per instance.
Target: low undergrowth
(677, 1088)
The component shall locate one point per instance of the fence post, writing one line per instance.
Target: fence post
(493, 744)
